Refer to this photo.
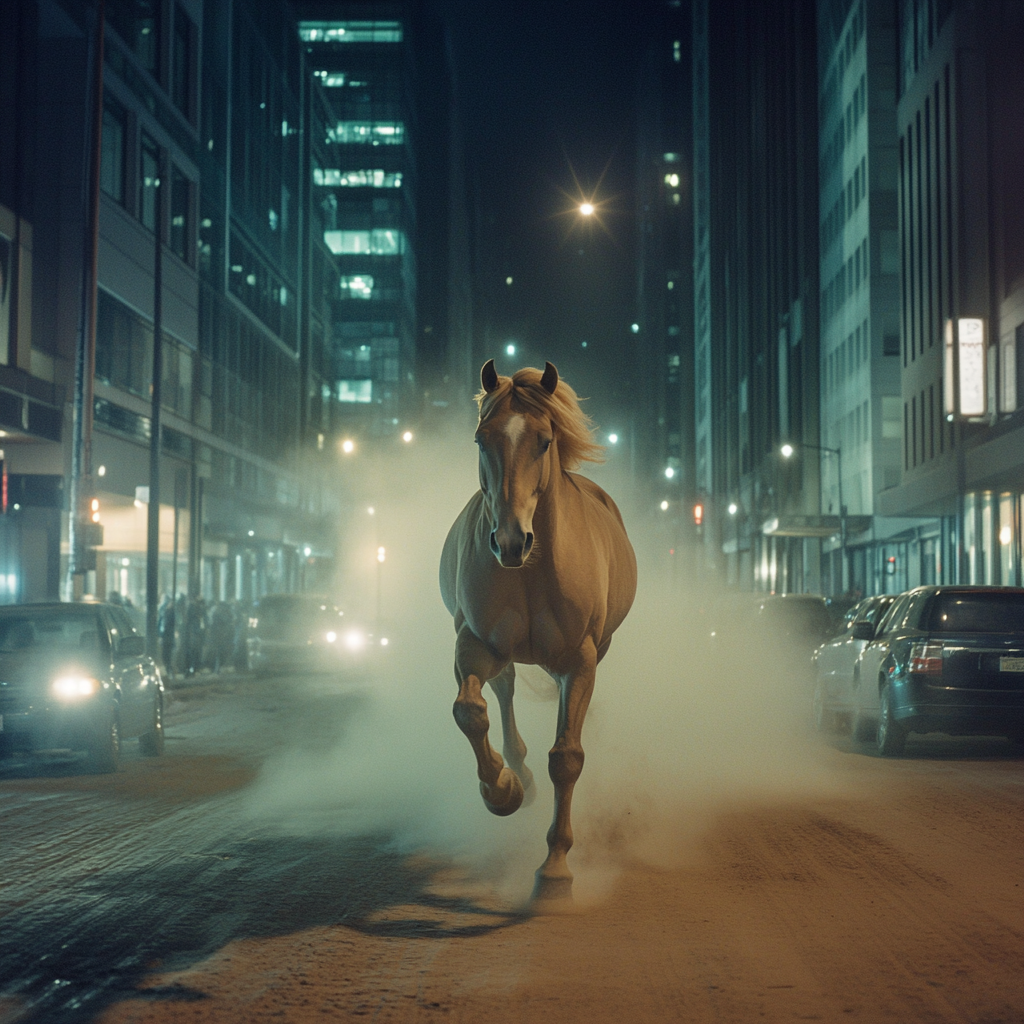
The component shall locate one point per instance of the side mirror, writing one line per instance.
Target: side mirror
(131, 646)
(863, 630)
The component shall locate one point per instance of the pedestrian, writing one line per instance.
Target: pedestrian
(195, 635)
(165, 626)
(222, 635)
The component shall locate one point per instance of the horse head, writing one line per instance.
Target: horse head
(516, 437)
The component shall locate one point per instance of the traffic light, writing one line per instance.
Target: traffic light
(890, 566)
(698, 514)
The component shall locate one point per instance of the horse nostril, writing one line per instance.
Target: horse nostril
(528, 544)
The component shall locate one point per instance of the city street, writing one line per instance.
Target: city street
(314, 849)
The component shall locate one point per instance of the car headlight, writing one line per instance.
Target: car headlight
(75, 687)
(355, 640)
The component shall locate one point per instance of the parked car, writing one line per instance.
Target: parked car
(296, 632)
(76, 676)
(834, 661)
(946, 659)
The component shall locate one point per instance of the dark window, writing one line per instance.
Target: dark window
(124, 346)
(891, 345)
(149, 184)
(977, 613)
(181, 79)
(137, 22)
(180, 220)
(112, 145)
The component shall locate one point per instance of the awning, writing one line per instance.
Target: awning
(814, 526)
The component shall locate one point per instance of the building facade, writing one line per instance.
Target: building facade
(756, 334)
(961, 236)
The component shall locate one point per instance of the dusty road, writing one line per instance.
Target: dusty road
(884, 891)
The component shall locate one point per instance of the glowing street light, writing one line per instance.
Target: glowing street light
(510, 350)
(613, 438)
(586, 209)
(670, 472)
(381, 554)
(407, 436)
(348, 446)
(787, 451)
(733, 508)
(664, 506)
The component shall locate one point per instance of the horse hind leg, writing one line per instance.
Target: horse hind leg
(500, 786)
(512, 745)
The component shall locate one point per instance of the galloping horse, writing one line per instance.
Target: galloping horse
(536, 569)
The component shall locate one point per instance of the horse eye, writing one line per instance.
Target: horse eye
(545, 444)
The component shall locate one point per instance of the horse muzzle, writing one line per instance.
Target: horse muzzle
(511, 547)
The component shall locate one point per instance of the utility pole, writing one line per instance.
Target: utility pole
(81, 532)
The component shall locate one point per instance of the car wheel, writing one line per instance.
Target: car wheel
(891, 736)
(862, 729)
(151, 743)
(103, 757)
(823, 717)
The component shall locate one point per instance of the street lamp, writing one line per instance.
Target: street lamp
(586, 209)
(787, 451)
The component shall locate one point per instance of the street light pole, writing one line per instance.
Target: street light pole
(787, 450)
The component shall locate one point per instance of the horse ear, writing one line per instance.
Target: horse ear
(488, 376)
(549, 381)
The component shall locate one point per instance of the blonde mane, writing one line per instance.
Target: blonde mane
(574, 429)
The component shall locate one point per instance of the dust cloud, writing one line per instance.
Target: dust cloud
(681, 726)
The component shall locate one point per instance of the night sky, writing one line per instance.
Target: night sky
(548, 97)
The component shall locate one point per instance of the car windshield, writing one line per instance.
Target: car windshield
(809, 617)
(49, 629)
(977, 613)
(292, 612)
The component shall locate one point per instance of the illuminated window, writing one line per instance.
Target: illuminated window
(356, 286)
(379, 242)
(354, 179)
(355, 391)
(350, 31)
(376, 133)
(672, 180)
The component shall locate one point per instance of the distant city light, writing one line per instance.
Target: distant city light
(586, 209)
(102, 471)
(635, 328)
(664, 506)
(348, 446)
(307, 551)
(787, 450)
(381, 554)
(508, 280)
(510, 350)
(370, 510)
(613, 438)
(407, 436)
(252, 533)
(669, 472)
(733, 508)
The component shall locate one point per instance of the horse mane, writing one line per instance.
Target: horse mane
(574, 428)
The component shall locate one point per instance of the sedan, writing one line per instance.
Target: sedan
(76, 676)
(295, 632)
(834, 663)
(946, 659)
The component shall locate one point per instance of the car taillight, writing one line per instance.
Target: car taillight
(926, 659)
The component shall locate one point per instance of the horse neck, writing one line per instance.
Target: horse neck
(548, 505)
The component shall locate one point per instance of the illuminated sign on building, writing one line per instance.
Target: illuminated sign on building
(971, 382)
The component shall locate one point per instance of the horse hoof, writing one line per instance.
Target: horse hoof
(552, 895)
(505, 796)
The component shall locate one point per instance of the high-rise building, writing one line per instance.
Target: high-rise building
(755, 201)
(662, 429)
(861, 407)
(960, 177)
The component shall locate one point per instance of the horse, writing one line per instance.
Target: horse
(537, 569)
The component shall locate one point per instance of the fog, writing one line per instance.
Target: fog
(681, 727)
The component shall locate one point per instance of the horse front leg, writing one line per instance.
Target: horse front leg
(512, 745)
(500, 787)
(565, 763)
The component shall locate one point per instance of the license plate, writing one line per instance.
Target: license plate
(1011, 664)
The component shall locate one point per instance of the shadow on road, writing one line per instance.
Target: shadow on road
(95, 940)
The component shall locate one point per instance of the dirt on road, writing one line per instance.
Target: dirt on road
(900, 901)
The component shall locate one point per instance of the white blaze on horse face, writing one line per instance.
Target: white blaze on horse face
(514, 428)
